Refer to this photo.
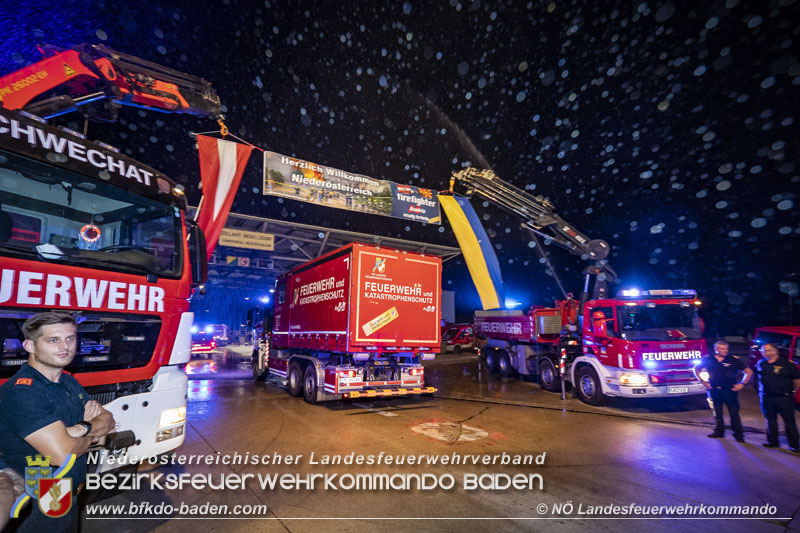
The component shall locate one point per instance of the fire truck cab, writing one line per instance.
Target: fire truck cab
(639, 344)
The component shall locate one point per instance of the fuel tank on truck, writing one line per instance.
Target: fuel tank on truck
(361, 298)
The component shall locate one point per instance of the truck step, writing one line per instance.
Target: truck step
(390, 392)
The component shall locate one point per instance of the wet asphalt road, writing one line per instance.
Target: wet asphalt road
(629, 452)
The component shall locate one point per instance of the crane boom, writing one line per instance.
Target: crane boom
(92, 74)
(539, 217)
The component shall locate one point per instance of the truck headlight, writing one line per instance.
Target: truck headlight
(633, 380)
(703, 375)
(170, 417)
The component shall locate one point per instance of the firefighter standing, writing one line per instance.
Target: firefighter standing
(722, 373)
(778, 378)
(44, 410)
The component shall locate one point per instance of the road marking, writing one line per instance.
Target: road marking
(384, 413)
(449, 431)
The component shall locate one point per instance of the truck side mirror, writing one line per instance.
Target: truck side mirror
(197, 254)
(250, 318)
(600, 328)
(600, 324)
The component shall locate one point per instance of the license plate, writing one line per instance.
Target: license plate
(677, 390)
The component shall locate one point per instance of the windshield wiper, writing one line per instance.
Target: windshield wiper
(16, 248)
(50, 252)
(128, 266)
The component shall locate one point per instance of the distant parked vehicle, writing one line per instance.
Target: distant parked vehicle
(459, 337)
(219, 332)
(203, 342)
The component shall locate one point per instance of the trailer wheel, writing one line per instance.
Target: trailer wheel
(310, 384)
(258, 373)
(504, 364)
(548, 376)
(491, 360)
(589, 388)
(294, 378)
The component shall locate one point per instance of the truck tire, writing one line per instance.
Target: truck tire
(258, 373)
(589, 388)
(294, 379)
(310, 384)
(491, 360)
(457, 349)
(548, 376)
(504, 364)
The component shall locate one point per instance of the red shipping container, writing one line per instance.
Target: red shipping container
(360, 298)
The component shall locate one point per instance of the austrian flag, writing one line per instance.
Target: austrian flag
(221, 167)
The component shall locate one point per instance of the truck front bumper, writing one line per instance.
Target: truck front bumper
(652, 391)
(142, 414)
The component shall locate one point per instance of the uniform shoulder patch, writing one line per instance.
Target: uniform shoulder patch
(24, 381)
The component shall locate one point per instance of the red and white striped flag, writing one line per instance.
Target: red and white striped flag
(221, 167)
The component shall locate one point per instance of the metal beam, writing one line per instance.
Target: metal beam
(324, 242)
(307, 245)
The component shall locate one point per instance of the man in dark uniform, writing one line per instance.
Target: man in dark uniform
(719, 373)
(45, 411)
(778, 378)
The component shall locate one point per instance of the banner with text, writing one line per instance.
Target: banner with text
(309, 182)
(247, 239)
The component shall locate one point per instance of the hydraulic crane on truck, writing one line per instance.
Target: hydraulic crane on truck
(98, 80)
(540, 219)
(129, 352)
(637, 344)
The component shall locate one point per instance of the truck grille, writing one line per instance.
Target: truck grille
(103, 397)
(673, 378)
(104, 394)
(105, 341)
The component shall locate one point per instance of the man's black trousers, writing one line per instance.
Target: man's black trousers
(722, 397)
(772, 406)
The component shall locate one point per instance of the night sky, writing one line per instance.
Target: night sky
(667, 130)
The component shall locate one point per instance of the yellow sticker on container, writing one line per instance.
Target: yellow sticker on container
(379, 321)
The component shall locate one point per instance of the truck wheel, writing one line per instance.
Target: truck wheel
(258, 373)
(548, 376)
(589, 388)
(457, 348)
(310, 384)
(504, 364)
(295, 379)
(491, 360)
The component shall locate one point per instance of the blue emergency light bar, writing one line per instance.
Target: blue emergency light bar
(657, 293)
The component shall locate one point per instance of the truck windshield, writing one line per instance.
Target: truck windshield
(450, 334)
(50, 214)
(658, 322)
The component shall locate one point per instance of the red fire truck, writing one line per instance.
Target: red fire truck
(639, 344)
(85, 229)
(458, 337)
(355, 323)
